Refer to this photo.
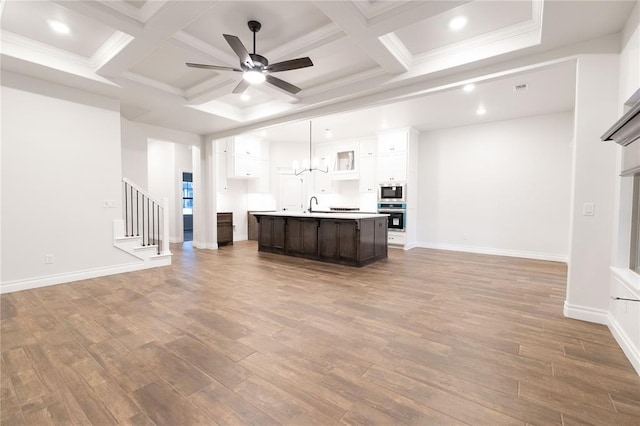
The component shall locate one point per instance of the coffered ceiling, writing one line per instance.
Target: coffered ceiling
(362, 50)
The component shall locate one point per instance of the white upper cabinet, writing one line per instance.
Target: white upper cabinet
(392, 142)
(368, 147)
(221, 165)
(247, 146)
(395, 158)
(392, 167)
(323, 183)
(244, 157)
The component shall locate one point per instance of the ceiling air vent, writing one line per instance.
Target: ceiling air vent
(519, 88)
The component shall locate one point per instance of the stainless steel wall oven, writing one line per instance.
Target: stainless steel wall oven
(397, 215)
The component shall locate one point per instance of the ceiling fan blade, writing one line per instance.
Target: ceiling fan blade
(239, 48)
(212, 67)
(242, 86)
(282, 84)
(292, 64)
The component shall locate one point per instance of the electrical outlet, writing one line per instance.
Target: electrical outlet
(48, 259)
(109, 204)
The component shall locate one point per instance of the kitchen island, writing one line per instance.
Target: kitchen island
(354, 239)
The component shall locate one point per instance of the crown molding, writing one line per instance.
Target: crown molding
(142, 15)
(110, 48)
(33, 51)
(517, 36)
(203, 47)
(396, 47)
(311, 40)
(137, 78)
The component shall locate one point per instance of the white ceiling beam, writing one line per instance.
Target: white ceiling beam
(105, 15)
(410, 13)
(167, 21)
(350, 19)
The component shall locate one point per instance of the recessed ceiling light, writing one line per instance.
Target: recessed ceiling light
(469, 87)
(481, 110)
(245, 97)
(458, 23)
(59, 27)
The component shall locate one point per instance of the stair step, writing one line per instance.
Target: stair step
(153, 247)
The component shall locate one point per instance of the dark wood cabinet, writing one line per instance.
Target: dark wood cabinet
(302, 236)
(225, 228)
(338, 240)
(252, 224)
(271, 234)
(346, 241)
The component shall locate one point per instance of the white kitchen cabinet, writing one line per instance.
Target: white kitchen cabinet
(392, 142)
(221, 165)
(392, 167)
(247, 146)
(243, 157)
(368, 182)
(396, 238)
(323, 182)
(262, 183)
(368, 147)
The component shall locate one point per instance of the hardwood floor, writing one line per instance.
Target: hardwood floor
(239, 337)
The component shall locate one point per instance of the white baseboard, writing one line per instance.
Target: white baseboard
(584, 313)
(205, 246)
(495, 251)
(630, 350)
(26, 284)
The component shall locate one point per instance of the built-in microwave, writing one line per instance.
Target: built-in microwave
(392, 192)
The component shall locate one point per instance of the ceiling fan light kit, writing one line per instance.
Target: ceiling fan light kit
(255, 68)
(254, 77)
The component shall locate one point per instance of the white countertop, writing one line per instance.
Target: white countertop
(337, 215)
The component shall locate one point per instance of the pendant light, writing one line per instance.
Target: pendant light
(311, 164)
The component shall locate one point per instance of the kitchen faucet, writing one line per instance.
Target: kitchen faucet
(311, 205)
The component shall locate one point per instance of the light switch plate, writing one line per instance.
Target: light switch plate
(588, 209)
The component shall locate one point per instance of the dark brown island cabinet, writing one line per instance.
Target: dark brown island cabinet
(348, 239)
(225, 228)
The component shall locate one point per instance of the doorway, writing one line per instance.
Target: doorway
(187, 206)
(291, 192)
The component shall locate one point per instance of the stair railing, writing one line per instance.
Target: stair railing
(145, 217)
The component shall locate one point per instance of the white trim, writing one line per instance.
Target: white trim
(495, 251)
(629, 279)
(137, 78)
(630, 350)
(394, 45)
(110, 48)
(585, 313)
(30, 283)
(204, 246)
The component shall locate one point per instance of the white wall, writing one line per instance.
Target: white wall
(166, 161)
(500, 188)
(624, 316)
(594, 182)
(134, 147)
(60, 162)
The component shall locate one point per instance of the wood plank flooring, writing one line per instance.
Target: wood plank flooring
(235, 336)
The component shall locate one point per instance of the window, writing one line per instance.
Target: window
(187, 193)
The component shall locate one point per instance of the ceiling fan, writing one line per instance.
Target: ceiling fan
(256, 68)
